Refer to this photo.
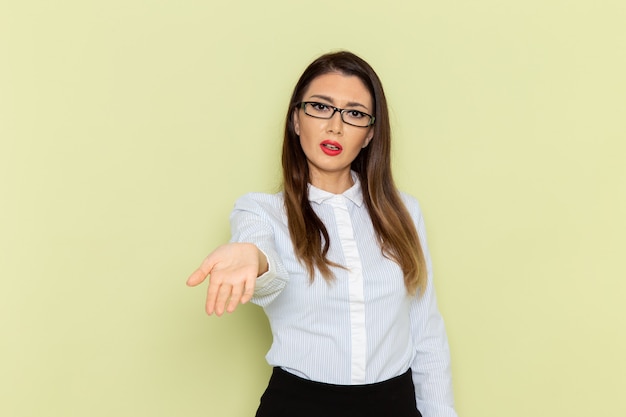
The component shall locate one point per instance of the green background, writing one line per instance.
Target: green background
(128, 129)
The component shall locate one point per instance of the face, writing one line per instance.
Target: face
(330, 145)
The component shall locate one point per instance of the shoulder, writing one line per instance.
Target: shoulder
(412, 204)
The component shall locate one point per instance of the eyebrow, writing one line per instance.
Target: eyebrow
(349, 104)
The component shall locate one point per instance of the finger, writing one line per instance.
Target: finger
(249, 290)
(211, 295)
(222, 297)
(235, 297)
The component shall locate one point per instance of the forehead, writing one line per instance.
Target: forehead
(340, 88)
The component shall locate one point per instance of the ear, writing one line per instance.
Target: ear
(368, 138)
(296, 122)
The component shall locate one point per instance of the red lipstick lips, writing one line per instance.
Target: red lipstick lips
(330, 147)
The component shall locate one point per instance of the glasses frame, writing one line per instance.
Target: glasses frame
(303, 104)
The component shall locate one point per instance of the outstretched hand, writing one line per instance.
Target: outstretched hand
(233, 270)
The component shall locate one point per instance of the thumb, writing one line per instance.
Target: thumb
(200, 274)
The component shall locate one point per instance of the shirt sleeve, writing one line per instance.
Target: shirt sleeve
(431, 365)
(251, 222)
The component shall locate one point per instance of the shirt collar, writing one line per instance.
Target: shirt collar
(353, 193)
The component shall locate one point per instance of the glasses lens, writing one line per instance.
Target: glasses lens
(318, 110)
(356, 118)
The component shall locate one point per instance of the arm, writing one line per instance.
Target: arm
(249, 267)
(431, 365)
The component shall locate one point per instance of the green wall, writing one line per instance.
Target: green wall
(128, 128)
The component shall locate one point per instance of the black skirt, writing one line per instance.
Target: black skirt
(288, 395)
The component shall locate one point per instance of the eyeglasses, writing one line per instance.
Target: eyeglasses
(325, 111)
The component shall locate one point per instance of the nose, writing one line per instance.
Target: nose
(335, 123)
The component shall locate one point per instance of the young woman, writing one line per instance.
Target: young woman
(338, 261)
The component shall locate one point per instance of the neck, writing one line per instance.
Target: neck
(335, 183)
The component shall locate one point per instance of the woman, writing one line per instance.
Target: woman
(338, 261)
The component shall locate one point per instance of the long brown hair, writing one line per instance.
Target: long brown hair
(395, 230)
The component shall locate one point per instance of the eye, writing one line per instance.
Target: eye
(319, 107)
(355, 114)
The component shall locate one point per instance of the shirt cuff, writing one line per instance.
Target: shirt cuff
(268, 276)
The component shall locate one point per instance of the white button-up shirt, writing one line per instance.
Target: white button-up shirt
(361, 328)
